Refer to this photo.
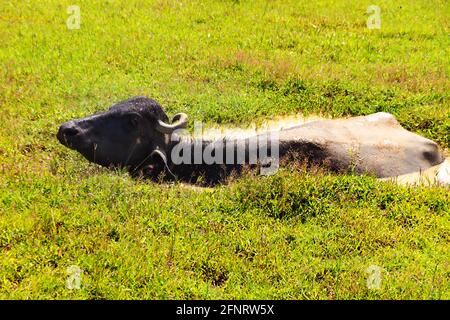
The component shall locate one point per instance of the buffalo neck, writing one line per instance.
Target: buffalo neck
(211, 161)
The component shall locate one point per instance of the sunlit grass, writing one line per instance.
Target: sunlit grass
(295, 235)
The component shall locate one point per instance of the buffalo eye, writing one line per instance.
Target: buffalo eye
(133, 120)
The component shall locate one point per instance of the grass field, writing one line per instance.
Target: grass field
(294, 235)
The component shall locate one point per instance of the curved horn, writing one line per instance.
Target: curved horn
(178, 121)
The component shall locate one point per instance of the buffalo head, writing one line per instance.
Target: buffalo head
(132, 134)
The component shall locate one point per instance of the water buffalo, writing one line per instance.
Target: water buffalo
(136, 134)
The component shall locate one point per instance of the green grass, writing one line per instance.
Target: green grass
(295, 235)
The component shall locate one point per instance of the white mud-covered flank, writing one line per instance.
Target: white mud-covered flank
(437, 175)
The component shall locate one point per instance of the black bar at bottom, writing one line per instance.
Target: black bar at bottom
(224, 309)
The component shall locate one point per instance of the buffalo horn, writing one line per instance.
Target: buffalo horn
(179, 121)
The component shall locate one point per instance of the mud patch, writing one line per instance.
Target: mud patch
(275, 124)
